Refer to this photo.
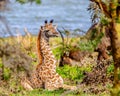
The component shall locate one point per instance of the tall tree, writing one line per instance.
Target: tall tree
(111, 11)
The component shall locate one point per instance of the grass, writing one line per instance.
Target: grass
(71, 75)
(40, 93)
(59, 92)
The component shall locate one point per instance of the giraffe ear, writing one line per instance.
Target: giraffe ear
(45, 21)
(51, 21)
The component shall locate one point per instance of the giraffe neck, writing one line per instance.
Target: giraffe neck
(46, 52)
(39, 48)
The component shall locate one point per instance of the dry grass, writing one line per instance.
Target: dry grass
(27, 44)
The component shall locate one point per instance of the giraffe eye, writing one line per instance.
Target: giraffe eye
(46, 30)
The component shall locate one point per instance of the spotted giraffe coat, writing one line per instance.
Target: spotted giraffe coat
(45, 74)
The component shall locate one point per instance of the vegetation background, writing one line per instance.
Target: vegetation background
(89, 61)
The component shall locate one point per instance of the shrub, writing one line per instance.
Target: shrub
(73, 73)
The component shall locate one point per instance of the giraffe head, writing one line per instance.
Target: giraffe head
(49, 30)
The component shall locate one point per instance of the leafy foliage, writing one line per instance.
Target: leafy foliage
(89, 46)
(66, 45)
(95, 12)
(73, 73)
(110, 69)
(25, 1)
(6, 74)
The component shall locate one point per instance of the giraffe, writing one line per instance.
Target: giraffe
(45, 74)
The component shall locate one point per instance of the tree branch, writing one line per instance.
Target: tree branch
(103, 7)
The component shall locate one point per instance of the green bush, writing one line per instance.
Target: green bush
(6, 73)
(90, 45)
(26, 1)
(87, 46)
(110, 68)
(58, 52)
(73, 73)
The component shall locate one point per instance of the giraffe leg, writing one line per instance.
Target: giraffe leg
(26, 84)
(50, 86)
(54, 83)
(32, 82)
(69, 87)
(35, 80)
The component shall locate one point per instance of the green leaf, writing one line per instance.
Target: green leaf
(38, 1)
(21, 1)
(26, 1)
(6, 73)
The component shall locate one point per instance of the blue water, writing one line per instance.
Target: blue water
(70, 14)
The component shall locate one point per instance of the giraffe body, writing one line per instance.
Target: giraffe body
(45, 74)
(47, 71)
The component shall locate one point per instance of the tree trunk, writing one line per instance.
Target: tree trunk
(111, 10)
(115, 44)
